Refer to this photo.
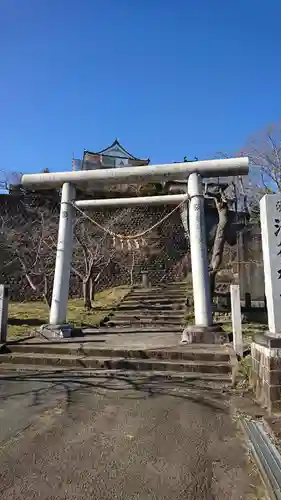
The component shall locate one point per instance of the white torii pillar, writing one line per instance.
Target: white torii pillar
(198, 251)
(58, 310)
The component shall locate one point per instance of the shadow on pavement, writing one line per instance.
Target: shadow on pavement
(135, 386)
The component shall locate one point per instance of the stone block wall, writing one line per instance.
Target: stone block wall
(167, 260)
(266, 375)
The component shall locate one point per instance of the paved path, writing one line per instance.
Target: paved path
(134, 439)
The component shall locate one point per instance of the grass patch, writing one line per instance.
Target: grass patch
(189, 317)
(245, 368)
(27, 316)
(249, 330)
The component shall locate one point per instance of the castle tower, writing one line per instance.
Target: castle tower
(114, 156)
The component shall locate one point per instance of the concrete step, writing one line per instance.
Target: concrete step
(146, 304)
(152, 310)
(62, 373)
(135, 323)
(148, 315)
(155, 300)
(157, 295)
(136, 329)
(174, 289)
(205, 353)
(108, 363)
(175, 284)
(152, 302)
(163, 289)
(168, 286)
(167, 289)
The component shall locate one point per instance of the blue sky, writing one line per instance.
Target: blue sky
(168, 78)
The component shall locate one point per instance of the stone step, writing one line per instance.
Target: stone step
(167, 289)
(155, 299)
(163, 290)
(146, 320)
(137, 329)
(152, 301)
(205, 353)
(147, 308)
(177, 285)
(54, 373)
(168, 286)
(109, 363)
(172, 289)
(134, 323)
(158, 295)
(147, 315)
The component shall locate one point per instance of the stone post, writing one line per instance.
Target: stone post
(144, 279)
(236, 319)
(3, 312)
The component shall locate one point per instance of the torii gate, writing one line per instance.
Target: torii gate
(193, 172)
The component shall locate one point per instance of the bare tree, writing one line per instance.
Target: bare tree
(28, 243)
(8, 179)
(222, 201)
(222, 206)
(264, 151)
(93, 253)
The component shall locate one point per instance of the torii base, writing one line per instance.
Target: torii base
(55, 332)
(196, 334)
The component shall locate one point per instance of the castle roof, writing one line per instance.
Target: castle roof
(115, 146)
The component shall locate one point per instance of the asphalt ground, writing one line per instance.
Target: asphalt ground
(127, 438)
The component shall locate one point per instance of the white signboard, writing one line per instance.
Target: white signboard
(270, 214)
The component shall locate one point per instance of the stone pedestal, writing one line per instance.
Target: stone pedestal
(266, 371)
(53, 332)
(195, 334)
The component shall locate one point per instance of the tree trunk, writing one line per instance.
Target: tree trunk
(92, 289)
(219, 242)
(184, 221)
(87, 294)
(47, 294)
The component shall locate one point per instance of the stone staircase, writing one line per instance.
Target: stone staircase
(153, 308)
(143, 334)
(204, 362)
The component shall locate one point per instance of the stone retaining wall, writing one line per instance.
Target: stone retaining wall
(266, 375)
(169, 262)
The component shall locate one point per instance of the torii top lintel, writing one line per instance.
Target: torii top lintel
(150, 173)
